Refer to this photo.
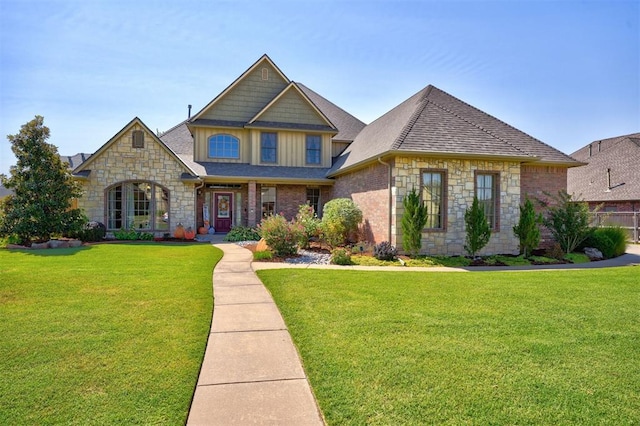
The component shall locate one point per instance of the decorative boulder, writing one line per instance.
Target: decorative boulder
(58, 244)
(593, 253)
(75, 243)
(38, 246)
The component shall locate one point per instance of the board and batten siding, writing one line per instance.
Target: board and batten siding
(292, 108)
(292, 149)
(248, 96)
(202, 135)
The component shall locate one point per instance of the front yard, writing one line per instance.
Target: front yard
(105, 334)
(550, 347)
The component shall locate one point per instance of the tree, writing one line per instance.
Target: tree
(527, 229)
(477, 227)
(568, 221)
(413, 220)
(43, 189)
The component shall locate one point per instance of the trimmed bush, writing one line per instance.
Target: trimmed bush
(242, 233)
(341, 256)
(385, 251)
(91, 232)
(341, 219)
(309, 223)
(610, 240)
(280, 235)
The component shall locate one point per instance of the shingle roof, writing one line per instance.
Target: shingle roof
(621, 157)
(600, 145)
(348, 126)
(75, 160)
(179, 139)
(245, 171)
(434, 122)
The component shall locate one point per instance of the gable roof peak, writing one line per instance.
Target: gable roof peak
(264, 58)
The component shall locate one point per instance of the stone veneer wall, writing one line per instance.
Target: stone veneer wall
(121, 162)
(460, 192)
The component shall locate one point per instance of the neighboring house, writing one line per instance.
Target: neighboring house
(267, 144)
(611, 177)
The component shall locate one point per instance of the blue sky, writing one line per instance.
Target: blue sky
(566, 72)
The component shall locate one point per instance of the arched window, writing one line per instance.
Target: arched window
(138, 205)
(224, 146)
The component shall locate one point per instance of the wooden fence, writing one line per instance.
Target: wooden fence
(630, 221)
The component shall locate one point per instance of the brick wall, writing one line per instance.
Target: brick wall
(537, 182)
(368, 188)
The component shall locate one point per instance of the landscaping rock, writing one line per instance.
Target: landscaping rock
(75, 243)
(58, 244)
(38, 246)
(593, 253)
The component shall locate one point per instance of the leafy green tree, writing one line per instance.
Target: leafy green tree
(477, 227)
(527, 229)
(340, 219)
(43, 189)
(413, 220)
(568, 221)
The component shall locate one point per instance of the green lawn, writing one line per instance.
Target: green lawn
(106, 334)
(404, 348)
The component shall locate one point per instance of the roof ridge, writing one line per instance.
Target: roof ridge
(413, 119)
(173, 128)
(478, 126)
(326, 100)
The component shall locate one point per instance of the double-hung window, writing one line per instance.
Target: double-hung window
(314, 149)
(268, 147)
(313, 199)
(487, 191)
(433, 197)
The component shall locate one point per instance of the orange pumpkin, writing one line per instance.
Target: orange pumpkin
(189, 234)
(202, 230)
(179, 231)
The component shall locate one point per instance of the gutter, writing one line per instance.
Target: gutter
(390, 199)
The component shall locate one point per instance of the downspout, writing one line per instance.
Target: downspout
(390, 200)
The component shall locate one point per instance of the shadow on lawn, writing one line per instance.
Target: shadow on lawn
(49, 251)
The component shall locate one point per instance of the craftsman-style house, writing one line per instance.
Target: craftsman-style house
(267, 144)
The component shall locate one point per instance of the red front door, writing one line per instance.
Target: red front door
(222, 211)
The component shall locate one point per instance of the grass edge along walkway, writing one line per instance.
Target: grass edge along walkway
(462, 348)
(103, 334)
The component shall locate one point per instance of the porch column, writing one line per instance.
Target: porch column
(251, 201)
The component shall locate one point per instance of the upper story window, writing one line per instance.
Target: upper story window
(268, 147)
(137, 139)
(487, 191)
(224, 146)
(314, 149)
(433, 197)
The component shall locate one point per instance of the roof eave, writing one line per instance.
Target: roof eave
(265, 180)
(433, 154)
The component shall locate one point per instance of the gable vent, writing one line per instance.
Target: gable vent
(265, 73)
(137, 139)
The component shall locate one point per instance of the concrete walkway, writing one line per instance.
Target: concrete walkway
(252, 373)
